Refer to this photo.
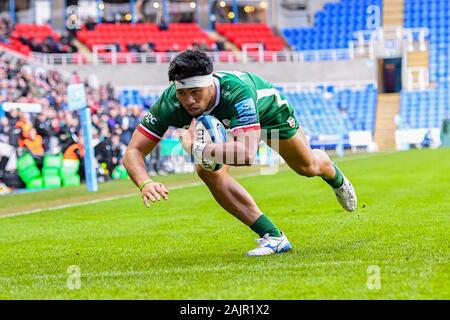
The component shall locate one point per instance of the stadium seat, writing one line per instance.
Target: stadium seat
(333, 26)
(317, 114)
(428, 109)
(434, 16)
(30, 31)
(424, 109)
(178, 37)
(251, 33)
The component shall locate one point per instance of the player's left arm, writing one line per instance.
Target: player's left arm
(240, 152)
(246, 129)
(246, 134)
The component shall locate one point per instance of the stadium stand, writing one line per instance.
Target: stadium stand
(55, 129)
(146, 37)
(428, 109)
(135, 97)
(333, 26)
(324, 112)
(435, 15)
(425, 109)
(251, 33)
(25, 38)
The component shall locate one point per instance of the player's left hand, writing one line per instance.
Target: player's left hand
(187, 137)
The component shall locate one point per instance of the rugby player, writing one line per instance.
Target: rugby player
(251, 108)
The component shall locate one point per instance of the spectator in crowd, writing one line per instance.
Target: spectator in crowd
(427, 141)
(25, 126)
(163, 26)
(75, 79)
(13, 117)
(34, 144)
(117, 152)
(75, 151)
(146, 47)
(445, 134)
(90, 24)
(42, 124)
(5, 30)
(135, 116)
(4, 127)
(133, 47)
(8, 158)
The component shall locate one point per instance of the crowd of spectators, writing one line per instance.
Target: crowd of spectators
(56, 130)
(51, 45)
(65, 43)
(5, 29)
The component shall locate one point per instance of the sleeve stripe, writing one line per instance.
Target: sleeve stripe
(254, 126)
(148, 133)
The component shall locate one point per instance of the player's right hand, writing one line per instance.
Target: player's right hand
(154, 191)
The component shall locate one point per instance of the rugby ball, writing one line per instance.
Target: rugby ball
(209, 129)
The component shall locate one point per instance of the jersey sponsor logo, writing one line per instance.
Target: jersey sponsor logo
(291, 122)
(246, 111)
(150, 118)
(225, 93)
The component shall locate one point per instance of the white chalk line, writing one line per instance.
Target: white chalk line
(176, 270)
(183, 186)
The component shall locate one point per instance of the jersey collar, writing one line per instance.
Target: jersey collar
(217, 84)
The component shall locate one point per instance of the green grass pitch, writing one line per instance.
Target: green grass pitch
(189, 248)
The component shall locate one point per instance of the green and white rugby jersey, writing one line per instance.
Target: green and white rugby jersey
(244, 101)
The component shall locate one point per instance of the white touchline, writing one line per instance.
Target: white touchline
(178, 270)
(71, 205)
(183, 186)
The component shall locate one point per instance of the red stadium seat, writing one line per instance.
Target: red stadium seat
(178, 37)
(31, 31)
(242, 33)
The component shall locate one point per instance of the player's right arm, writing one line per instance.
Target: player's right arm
(145, 138)
(138, 148)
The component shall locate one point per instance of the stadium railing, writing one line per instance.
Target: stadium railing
(367, 44)
(32, 60)
(219, 56)
(13, 53)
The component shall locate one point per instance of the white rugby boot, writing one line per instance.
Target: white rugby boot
(346, 195)
(268, 245)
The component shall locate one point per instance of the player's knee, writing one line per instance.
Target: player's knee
(310, 171)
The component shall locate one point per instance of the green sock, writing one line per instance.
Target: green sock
(338, 180)
(263, 225)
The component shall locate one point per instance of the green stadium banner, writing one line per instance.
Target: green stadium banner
(52, 181)
(29, 174)
(25, 161)
(35, 184)
(71, 181)
(69, 167)
(53, 161)
(50, 172)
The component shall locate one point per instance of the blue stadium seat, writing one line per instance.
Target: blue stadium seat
(319, 115)
(333, 26)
